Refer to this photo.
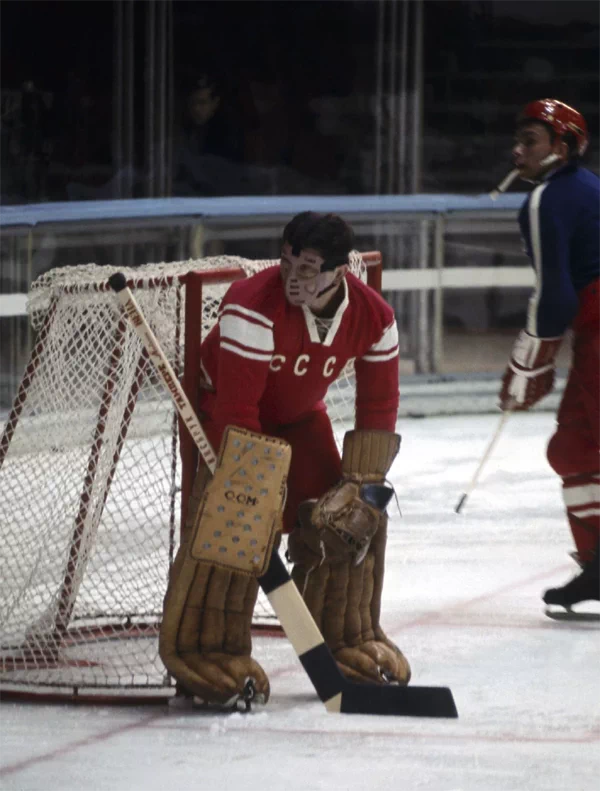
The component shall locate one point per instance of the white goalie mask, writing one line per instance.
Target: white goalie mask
(303, 280)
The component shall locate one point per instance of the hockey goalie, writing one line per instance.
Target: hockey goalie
(283, 336)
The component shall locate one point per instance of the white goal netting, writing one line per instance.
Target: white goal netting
(91, 481)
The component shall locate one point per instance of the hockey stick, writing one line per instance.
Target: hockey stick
(504, 184)
(337, 692)
(486, 455)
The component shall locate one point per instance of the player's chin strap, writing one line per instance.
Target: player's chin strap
(508, 180)
(549, 160)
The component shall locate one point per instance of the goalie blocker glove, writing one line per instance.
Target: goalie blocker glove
(529, 375)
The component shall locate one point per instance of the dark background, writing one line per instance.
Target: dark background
(299, 93)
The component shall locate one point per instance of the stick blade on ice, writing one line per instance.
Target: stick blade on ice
(408, 701)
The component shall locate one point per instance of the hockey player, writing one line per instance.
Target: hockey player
(282, 338)
(560, 225)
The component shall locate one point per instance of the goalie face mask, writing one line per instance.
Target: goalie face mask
(303, 279)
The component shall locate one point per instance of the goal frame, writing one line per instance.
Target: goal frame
(195, 283)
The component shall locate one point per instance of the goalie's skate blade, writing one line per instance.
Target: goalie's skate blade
(571, 615)
(398, 701)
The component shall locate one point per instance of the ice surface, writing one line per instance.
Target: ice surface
(462, 599)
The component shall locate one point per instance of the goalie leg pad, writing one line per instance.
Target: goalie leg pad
(345, 600)
(240, 512)
(205, 640)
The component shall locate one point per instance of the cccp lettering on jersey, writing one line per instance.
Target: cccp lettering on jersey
(301, 364)
(242, 499)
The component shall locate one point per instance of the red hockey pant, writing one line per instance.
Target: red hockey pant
(574, 450)
(316, 465)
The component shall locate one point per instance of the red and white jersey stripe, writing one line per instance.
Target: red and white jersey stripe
(246, 332)
(266, 364)
(386, 348)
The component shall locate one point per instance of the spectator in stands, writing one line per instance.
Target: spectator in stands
(208, 150)
(36, 138)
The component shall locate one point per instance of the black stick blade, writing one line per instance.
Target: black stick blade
(399, 701)
(339, 694)
(460, 504)
(117, 282)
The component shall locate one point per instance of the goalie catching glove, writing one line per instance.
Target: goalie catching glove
(344, 516)
(338, 552)
(529, 375)
(233, 525)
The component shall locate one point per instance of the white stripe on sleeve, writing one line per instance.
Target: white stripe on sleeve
(388, 341)
(386, 347)
(251, 314)
(256, 337)
(536, 251)
(380, 358)
(245, 353)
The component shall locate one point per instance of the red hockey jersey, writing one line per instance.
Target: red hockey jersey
(264, 364)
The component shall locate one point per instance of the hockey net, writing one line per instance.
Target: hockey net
(92, 476)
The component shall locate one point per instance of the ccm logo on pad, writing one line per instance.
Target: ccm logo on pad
(242, 499)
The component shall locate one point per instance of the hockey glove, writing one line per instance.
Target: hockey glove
(344, 519)
(529, 375)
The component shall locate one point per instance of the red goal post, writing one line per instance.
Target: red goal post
(94, 481)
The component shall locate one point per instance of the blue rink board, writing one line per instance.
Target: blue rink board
(78, 211)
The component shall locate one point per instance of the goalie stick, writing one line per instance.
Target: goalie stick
(338, 693)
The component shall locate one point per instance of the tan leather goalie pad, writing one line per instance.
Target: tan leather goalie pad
(240, 513)
(368, 455)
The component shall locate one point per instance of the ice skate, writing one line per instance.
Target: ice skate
(584, 587)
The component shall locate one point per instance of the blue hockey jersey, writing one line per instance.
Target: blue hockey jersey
(560, 225)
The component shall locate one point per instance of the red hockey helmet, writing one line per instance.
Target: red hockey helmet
(560, 117)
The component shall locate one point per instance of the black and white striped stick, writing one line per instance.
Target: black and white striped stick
(333, 688)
